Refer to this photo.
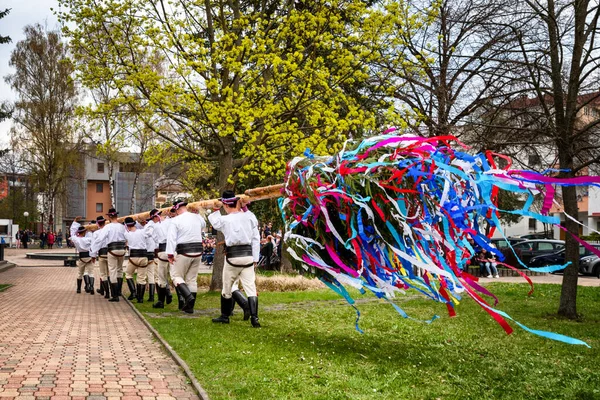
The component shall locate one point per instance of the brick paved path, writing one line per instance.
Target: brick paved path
(56, 344)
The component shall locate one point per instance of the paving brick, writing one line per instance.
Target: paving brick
(59, 345)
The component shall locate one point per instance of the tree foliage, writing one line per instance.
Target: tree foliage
(242, 86)
(4, 113)
(43, 111)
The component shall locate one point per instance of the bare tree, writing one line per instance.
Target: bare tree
(43, 111)
(456, 64)
(557, 53)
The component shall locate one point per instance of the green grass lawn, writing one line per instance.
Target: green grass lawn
(308, 348)
(3, 287)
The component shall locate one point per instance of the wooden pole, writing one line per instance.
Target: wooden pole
(260, 193)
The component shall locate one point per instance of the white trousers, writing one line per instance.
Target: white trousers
(185, 270)
(137, 264)
(162, 270)
(246, 276)
(85, 267)
(103, 267)
(115, 264)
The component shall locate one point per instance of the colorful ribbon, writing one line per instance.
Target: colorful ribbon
(398, 212)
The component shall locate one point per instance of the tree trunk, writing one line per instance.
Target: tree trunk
(286, 264)
(111, 184)
(226, 168)
(568, 295)
(135, 181)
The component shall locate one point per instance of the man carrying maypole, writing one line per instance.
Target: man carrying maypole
(102, 260)
(242, 247)
(185, 238)
(112, 236)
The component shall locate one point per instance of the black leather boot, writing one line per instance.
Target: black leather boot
(120, 286)
(239, 298)
(132, 291)
(189, 305)
(141, 290)
(86, 279)
(151, 288)
(226, 306)
(114, 287)
(253, 304)
(106, 289)
(180, 299)
(79, 285)
(161, 298)
(189, 298)
(100, 290)
(168, 294)
(91, 278)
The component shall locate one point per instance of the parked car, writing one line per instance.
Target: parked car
(558, 258)
(590, 265)
(530, 248)
(538, 235)
(502, 243)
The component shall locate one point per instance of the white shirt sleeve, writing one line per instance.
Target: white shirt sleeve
(255, 238)
(215, 220)
(99, 236)
(171, 238)
(74, 226)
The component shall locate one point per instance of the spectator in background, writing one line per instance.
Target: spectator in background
(43, 237)
(267, 251)
(50, 238)
(18, 237)
(59, 238)
(25, 238)
(487, 264)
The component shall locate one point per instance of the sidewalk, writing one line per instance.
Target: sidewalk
(57, 344)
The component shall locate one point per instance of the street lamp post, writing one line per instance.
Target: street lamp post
(26, 215)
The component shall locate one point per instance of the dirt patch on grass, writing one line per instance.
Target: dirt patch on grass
(275, 283)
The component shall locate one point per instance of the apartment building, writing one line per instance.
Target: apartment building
(527, 112)
(88, 191)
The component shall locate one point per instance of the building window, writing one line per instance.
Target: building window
(99, 207)
(532, 224)
(100, 167)
(99, 187)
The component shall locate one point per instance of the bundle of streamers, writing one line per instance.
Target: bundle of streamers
(398, 212)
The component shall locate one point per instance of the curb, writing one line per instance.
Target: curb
(6, 265)
(188, 372)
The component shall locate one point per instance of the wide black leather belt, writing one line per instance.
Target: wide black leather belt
(116, 246)
(103, 251)
(137, 253)
(162, 247)
(84, 254)
(243, 250)
(184, 248)
(150, 255)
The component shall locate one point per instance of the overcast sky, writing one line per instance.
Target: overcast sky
(22, 13)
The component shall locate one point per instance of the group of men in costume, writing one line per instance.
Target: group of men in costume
(171, 247)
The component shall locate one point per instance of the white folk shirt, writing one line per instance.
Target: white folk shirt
(82, 243)
(113, 232)
(239, 228)
(160, 231)
(137, 240)
(73, 230)
(151, 242)
(185, 228)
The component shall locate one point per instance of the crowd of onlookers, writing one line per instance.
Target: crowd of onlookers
(46, 239)
(270, 247)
